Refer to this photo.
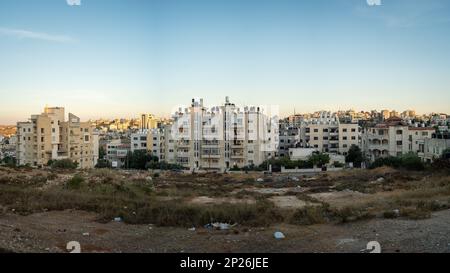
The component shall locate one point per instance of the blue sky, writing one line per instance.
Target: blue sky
(122, 57)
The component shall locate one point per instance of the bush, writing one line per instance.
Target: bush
(408, 161)
(337, 164)
(412, 162)
(103, 163)
(64, 164)
(75, 182)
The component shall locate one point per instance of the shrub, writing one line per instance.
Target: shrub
(64, 164)
(408, 161)
(75, 182)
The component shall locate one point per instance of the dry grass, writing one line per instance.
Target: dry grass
(140, 197)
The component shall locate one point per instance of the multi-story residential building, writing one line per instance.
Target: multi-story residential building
(116, 152)
(156, 143)
(327, 134)
(289, 138)
(394, 137)
(221, 137)
(432, 148)
(385, 114)
(139, 140)
(49, 137)
(148, 121)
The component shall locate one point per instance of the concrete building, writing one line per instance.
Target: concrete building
(289, 138)
(432, 148)
(147, 122)
(327, 134)
(394, 137)
(116, 152)
(139, 141)
(221, 137)
(49, 136)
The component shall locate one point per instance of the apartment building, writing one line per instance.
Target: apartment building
(289, 138)
(394, 137)
(328, 135)
(221, 137)
(49, 136)
(139, 140)
(147, 122)
(156, 143)
(116, 152)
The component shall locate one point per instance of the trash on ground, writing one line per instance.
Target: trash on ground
(220, 226)
(279, 235)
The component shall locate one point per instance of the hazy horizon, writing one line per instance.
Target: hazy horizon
(123, 58)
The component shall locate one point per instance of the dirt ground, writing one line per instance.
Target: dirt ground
(43, 210)
(51, 231)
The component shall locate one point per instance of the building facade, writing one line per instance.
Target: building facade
(394, 137)
(220, 137)
(49, 136)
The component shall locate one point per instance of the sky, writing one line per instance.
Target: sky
(119, 58)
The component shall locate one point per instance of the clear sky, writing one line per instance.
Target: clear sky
(118, 58)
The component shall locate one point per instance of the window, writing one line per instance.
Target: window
(353, 130)
(316, 130)
(325, 130)
(424, 133)
(399, 142)
(344, 130)
(399, 132)
(53, 130)
(42, 130)
(316, 138)
(353, 138)
(344, 138)
(86, 138)
(344, 146)
(325, 138)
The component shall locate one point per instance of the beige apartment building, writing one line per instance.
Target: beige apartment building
(328, 135)
(220, 137)
(49, 136)
(394, 137)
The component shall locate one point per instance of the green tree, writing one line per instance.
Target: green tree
(319, 159)
(355, 155)
(64, 164)
(139, 158)
(101, 152)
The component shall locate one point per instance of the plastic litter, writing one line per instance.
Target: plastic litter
(220, 226)
(279, 235)
(118, 219)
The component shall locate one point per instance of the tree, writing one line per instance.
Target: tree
(64, 164)
(446, 154)
(101, 152)
(139, 158)
(355, 155)
(319, 159)
(9, 161)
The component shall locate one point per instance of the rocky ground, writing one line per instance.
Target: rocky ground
(51, 231)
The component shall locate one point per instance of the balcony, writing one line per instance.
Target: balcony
(237, 155)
